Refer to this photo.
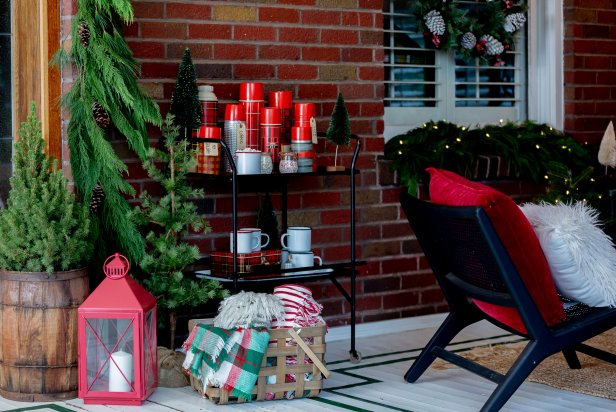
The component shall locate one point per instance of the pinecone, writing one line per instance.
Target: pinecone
(468, 40)
(514, 22)
(84, 33)
(97, 198)
(493, 46)
(100, 115)
(435, 22)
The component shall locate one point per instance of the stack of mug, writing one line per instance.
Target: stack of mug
(297, 250)
(301, 137)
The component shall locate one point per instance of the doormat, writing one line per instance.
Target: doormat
(595, 378)
(43, 408)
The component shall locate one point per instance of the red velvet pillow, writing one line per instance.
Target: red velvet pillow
(517, 236)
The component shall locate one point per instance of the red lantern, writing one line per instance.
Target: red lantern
(117, 340)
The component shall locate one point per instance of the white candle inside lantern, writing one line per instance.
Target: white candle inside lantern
(117, 382)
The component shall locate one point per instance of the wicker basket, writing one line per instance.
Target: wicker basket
(276, 354)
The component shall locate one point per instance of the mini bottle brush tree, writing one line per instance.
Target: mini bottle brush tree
(185, 104)
(339, 130)
(167, 220)
(105, 93)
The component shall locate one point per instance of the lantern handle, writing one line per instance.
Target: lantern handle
(116, 266)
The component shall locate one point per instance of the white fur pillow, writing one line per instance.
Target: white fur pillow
(582, 258)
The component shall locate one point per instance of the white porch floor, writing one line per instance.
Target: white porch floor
(375, 384)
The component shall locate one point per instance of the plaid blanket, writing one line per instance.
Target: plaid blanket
(229, 359)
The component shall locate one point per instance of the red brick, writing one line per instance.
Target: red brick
(253, 71)
(369, 303)
(232, 51)
(159, 70)
(278, 15)
(400, 299)
(398, 265)
(357, 91)
(254, 33)
(297, 72)
(326, 235)
(333, 217)
(148, 10)
(321, 199)
(209, 31)
(374, 38)
(157, 30)
(331, 54)
(298, 35)
(339, 36)
(356, 54)
(321, 17)
(333, 254)
(298, 2)
(197, 51)
(189, 11)
(317, 91)
(390, 195)
(369, 109)
(131, 30)
(147, 50)
(276, 52)
(371, 4)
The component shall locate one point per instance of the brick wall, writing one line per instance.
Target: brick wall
(590, 67)
(316, 48)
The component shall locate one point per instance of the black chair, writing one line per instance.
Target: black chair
(469, 261)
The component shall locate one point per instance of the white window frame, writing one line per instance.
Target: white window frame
(541, 89)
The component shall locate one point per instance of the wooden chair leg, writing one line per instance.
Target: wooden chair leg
(451, 326)
(572, 359)
(521, 368)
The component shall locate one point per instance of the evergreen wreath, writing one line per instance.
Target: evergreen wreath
(483, 30)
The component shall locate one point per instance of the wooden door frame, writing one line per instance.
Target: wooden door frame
(35, 38)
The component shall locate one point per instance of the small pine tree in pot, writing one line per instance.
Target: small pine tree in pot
(43, 228)
(45, 244)
(167, 220)
(339, 130)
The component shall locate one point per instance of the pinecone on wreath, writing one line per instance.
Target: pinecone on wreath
(84, 33)
(514, 22)
(468, 40)
(100, 115)
(493, 46)
(435, 22)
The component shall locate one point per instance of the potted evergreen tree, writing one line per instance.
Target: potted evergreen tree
(167, 220)
(45, 244)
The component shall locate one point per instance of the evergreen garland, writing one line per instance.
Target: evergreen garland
(43, 228)
(167, 221)
(185, 104)
(537, 152)
(104, 91)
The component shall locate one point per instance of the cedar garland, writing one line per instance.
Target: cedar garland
(105, 92)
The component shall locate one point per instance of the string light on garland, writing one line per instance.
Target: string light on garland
(483, 29)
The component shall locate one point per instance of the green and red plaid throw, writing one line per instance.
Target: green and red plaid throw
(229, 359)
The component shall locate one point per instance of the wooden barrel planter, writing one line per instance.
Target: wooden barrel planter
(38, 327)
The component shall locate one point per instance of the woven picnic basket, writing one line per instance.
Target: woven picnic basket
(312, 346)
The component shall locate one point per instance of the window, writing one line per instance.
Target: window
(424, 84)
(6, 140)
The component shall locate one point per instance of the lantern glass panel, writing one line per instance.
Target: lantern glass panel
(149, 345)
(106, 338)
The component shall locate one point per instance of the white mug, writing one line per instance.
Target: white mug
(304, 259)
(299, 239)
(258, 236)
(246, 243)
